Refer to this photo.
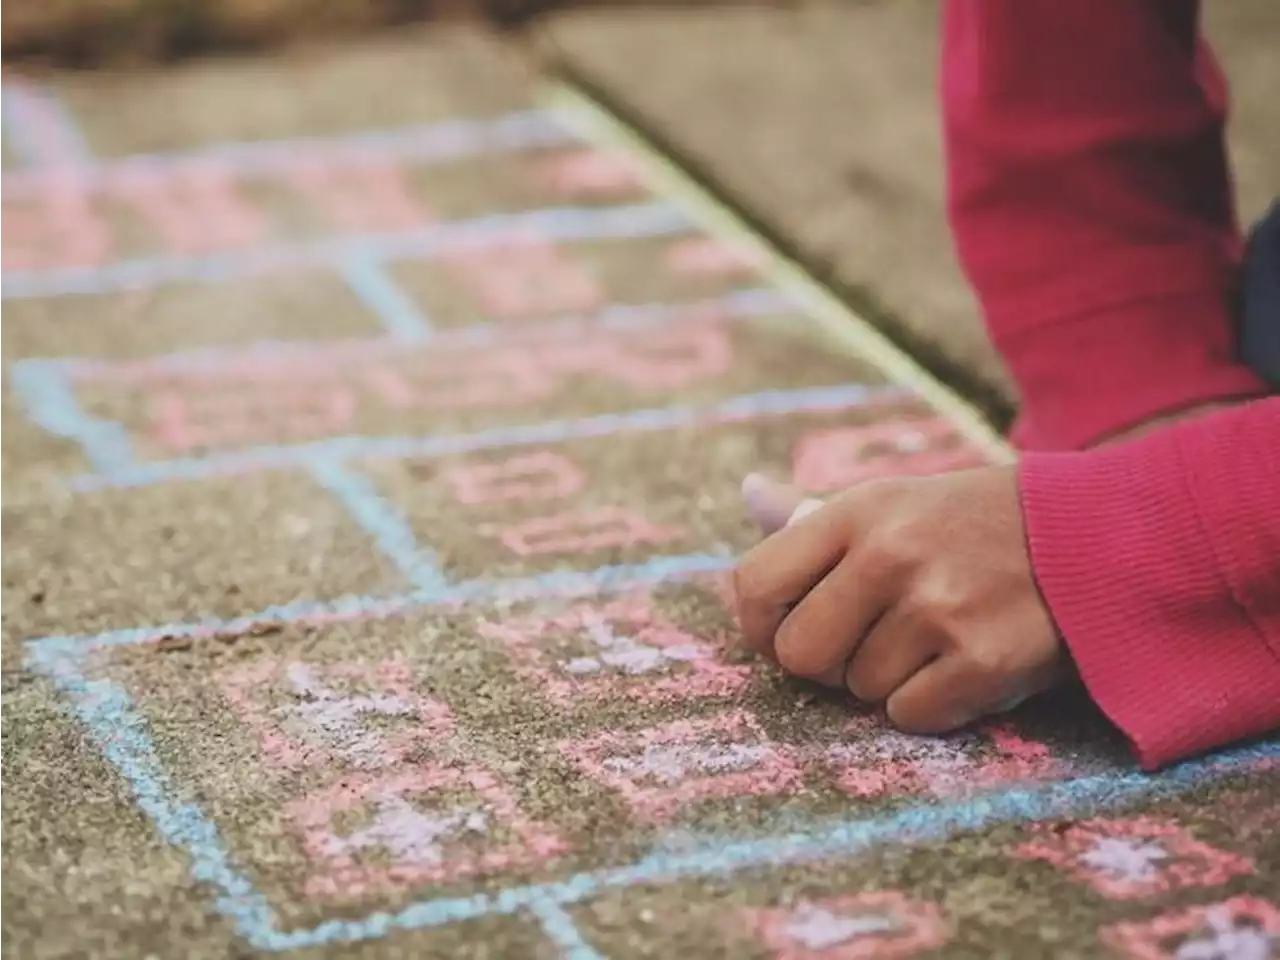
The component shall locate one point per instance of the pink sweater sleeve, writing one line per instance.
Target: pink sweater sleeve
(1091, 207)
(1090, 202)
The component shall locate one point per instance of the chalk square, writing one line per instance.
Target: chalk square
(865, 926)
(831, 459)
(662, 769)
(587, 174)
(183, 552)
(372, 833)
(1241, 928)
(590, 502)
(189, 319)
(528, 278)
(323, 715)
(621, 649)
(683, 266)
(277, 393)
(708, 256)
(494, 184)
(1133, 859)
(872, 760)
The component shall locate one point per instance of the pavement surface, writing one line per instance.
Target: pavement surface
(821, 120)
(371, 453)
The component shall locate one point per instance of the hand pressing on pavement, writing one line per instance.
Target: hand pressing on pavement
(915, 593)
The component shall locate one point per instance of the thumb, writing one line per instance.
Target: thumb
(774, 505)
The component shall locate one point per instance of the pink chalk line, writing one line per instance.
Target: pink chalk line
(201, 209)
(589, 173)
(710, 256)
(871, 760)
(319, 725)
(66, 231)
(1240, 928)
(660, 770)
(627, 651)
(199, 212)
(832, 459)
(411, 838)
(431, 143)
(359, 194)
(330, 358)
(268, 401)
(1133, 859)
(865, 926)
(542, 475)
(525, 276)
(423, 814)
(580, 532)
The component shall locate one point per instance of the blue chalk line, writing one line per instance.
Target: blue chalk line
(274, 456)
(40, 129)
(50, 401)
(383, 522)
(400, 316)
(108, 712)
(421, 143)
(561, 224)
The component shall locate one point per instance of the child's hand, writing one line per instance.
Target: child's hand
(914, 592)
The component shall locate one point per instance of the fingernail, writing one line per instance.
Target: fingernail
(805, 508)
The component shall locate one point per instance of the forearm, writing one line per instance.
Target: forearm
(1091, 207)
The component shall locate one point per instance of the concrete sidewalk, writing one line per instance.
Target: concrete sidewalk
(821, 121)
(371, 459)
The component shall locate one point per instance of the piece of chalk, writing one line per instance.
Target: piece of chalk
(774, 505)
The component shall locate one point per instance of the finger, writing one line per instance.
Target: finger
(944, 695)
(954, 691)
(774, 505)
(894, 650)
(817, 638)
(780, 571)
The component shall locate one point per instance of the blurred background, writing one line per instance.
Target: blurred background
(85, 33)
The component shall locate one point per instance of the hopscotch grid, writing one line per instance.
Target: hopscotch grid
(736, 409)
(48, 397)
(383, 523)
(738, 305)
(742, 304)
(559, 584)
(403, 320)
(655, 218)
(108, 712)
(419, 144)
(45, 386)
(45, 132)
(562, 931)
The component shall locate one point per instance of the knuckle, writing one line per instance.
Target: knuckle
(937, 599)
(986, 661)
(883, 547)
